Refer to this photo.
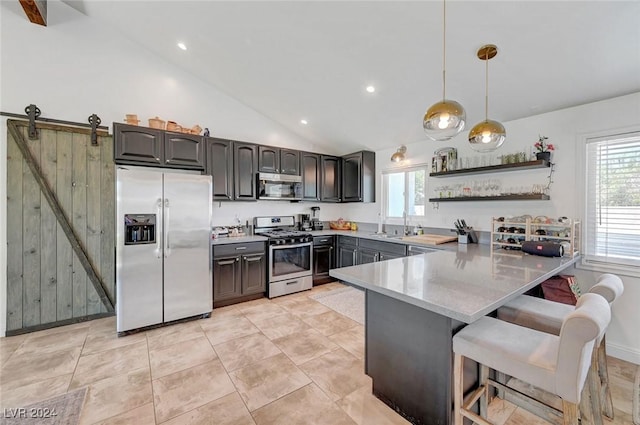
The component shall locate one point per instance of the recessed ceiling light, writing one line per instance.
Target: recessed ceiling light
(370, 89)
(182, 46)
(305, 122)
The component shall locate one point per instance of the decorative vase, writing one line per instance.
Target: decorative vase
(543, 155)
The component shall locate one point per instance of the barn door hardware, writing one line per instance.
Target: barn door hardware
(95, 121)
(33, 114)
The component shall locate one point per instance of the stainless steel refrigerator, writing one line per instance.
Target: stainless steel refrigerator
(163, 244)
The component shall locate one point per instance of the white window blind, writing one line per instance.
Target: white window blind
(404, 190)
(612, 225)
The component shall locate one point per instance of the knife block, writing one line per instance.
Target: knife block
(463, 238)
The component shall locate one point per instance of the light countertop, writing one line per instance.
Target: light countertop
(464, 283)
(388, 238)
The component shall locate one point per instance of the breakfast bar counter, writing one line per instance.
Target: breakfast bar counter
(413, 307)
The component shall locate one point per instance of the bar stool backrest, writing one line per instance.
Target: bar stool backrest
(579, 331)
(609, 286)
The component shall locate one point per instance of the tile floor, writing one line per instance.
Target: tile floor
(290, 360)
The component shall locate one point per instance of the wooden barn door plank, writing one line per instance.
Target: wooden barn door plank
(64, 266)
(31, 239)
(48, 225)
(107, 191)
(14, 235)
(78, 198)
(79, 220)
(93, 217)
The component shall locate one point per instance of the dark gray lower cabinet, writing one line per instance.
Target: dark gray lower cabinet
(239, 272)
(353, 251)
(366, 255)
(323, 259)
(347, 251)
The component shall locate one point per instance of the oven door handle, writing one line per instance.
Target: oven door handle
(299, 245)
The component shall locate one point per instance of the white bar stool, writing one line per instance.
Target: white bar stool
(547, 316)
(556, 364)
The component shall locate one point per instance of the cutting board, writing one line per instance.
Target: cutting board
(430, 239)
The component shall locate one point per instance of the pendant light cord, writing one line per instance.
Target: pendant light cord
(444, 47)
(486, 85)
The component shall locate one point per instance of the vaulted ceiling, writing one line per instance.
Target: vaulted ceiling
(293, 60)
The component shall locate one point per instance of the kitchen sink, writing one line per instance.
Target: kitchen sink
(386, 236)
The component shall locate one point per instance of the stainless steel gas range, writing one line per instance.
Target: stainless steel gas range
(290, 255)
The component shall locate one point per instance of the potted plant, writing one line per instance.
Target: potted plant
(543, 149)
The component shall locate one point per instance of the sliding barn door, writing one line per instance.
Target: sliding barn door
(47, 281)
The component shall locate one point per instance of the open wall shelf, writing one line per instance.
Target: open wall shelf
(515, 197)
(529, 165)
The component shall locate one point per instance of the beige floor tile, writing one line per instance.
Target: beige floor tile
(304, 307)
(228, 410)
(523, 417)
(304, 346)
(281, 325)
(225, 329)
(259, 312)
(143, 415)
(29, 368)
(8, 346)
(37, 391)
(365, 409)
(337, 373)
(180, 356)
(56, 341)
(330, 323)
(111, 397)
(351, 340)
(110, 363)
(249, 304)
(188, 389)
(500, 410)
(172, 334)
(327, 287)
(244, 351)
(102, 325)
(107, 339)
(60, 329)
(219, 312)
(306, 406)
(262, 383)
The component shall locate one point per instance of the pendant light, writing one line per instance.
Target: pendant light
(399, 156)
(444, 119)
(488, 135)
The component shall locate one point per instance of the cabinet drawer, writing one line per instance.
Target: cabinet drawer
(323, 240)
(347, 240)
(238, 248)
(390, 247)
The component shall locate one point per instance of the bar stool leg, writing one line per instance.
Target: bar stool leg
(484, 400)
(569, 413)
(592, 391)
(605, 394)
(458, 374)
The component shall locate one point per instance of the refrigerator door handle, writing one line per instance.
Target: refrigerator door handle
(167, 246)
(159, 214)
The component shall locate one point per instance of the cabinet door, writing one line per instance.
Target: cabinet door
(347, 256)
(330, 183)
(322, 263)
(220, 167)
(268, 159)
(227, 282)
(290, 162)
(366, 256)
(183, 151)
(352, 178)
(133, 144)
(245, 164)
(254, 273)
(310, 176)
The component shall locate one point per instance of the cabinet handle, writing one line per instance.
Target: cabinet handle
(168, 161)
(237, 259)
(292, 283)
(240, 248)
(324, 240)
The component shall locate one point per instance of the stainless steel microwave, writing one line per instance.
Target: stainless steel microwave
(279, 187)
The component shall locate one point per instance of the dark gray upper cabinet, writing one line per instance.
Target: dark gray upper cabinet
(278, 160)
(184, 150)
(146, 146)
(220, 167)
(310, 165)
(330, 178)
(358, 177)
(245, 164)
(137, 145)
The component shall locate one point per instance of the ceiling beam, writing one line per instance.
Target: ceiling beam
(36, 11)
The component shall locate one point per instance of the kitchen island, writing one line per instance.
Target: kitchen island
(414, 306)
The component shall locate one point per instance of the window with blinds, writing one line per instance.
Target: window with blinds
(612, 201)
